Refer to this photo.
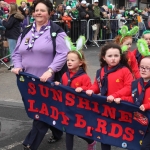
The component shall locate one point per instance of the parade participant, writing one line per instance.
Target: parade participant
(125, 38)
(114, 78)
(34, 53)
(146, 36)
(77, 78)
(140, 96)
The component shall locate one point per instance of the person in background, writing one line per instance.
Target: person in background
(13, 28)
(96, 16)
(23, 5)
(138, 56)
(83, 15)
(67, 21)
(127, 41)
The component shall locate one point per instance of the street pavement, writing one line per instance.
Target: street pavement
(14, 122)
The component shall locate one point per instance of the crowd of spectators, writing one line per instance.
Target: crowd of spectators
(69, 14)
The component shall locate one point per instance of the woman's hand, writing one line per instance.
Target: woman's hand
(89, 92)
(78, 89)
(46, 75)
(117, 100)
(110, 99)
(16, 70)
(142, 108)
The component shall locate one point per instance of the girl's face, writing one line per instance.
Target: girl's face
(128, 43)
(147, 38)
(145, 69)
(73, 62)
(112, 57)
(41, 13)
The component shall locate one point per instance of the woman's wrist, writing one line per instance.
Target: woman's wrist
(51, 71)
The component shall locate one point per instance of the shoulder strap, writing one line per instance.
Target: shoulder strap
(25, 31)
(138, 56)
(55, 29)
(98, 77)
(134, 88)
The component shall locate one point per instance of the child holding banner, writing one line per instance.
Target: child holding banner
(141, 88)
(114, 78)
(138, 55)
(77, 78)
(124, 39)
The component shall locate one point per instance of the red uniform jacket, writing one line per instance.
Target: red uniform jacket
(82, 81)
(119, 83)
(133, 64)
(146, 101)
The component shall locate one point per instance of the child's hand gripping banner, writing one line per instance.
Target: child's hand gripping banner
(122, 125)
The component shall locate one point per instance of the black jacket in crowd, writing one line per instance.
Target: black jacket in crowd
(12, 25)
(82, 12)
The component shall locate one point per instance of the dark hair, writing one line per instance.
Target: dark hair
(45, 2)
(22, 2)
(123, 60)
(22, 11)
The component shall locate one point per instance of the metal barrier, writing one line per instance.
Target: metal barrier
(3, 50)
(107, 29)
(78, 27)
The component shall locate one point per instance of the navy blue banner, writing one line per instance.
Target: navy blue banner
(121, 125)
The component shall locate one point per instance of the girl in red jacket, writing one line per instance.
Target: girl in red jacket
(114, 78)
(67, 21)
(146, 36)
(141, 97)
(127, 40)
(76, 78)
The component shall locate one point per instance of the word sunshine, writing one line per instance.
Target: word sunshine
(71, 100)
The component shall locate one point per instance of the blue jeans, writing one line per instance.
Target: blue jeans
(12, 44)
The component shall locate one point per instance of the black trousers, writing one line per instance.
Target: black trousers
(69, 141)
(37, 133)
(146, 142)
(105, 146)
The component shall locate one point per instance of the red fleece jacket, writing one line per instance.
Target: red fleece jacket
(133, 64)
(82, 81)
(119, 83)
(146, 101)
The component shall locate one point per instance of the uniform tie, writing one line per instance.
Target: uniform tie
(104, 82)
(37, 36)
(142, 94)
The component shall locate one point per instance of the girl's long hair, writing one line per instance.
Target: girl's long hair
(84, 63)
(14, 8)
(123, 59)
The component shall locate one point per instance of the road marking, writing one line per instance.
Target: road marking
(12, 100)
(11, 146)
(14, 145)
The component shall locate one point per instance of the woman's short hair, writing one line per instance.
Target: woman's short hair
(45, 2)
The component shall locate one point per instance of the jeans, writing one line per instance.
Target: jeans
(12, 44)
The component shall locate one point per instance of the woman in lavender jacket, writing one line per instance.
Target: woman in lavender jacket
(34, 54)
